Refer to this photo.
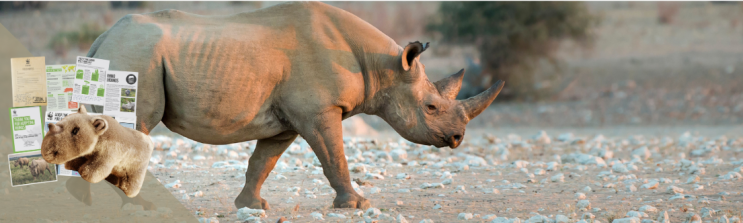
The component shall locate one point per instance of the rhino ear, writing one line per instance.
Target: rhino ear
(412, 51)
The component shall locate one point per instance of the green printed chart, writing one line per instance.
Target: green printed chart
(89, 85)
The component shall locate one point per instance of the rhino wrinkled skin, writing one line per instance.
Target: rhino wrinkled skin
(296, 68)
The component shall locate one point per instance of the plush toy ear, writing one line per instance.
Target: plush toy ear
(82, 110)
(100, 125)
(52, 127)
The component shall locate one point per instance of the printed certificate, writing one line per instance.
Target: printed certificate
(29, 81)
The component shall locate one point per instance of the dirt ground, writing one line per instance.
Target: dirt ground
(491, 171)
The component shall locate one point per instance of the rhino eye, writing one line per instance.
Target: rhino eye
(431, 108)
(75, 130)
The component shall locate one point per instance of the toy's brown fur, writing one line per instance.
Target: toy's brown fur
(98, 147)
(21, 162)
(38, 166)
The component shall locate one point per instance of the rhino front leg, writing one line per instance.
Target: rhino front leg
(325, 136)
(263, 160)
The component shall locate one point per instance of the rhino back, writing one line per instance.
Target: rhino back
(230, 78)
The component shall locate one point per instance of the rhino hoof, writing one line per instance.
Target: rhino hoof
(351, 201)
(253, 203)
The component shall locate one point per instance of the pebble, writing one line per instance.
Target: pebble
(675, 190)
(447, 182)
(372, 212)
(587, 189)
(317, 216)
(402, 176)
(489, 217)
(558, 178)
(245, 213)
(584, 205)
(707, 212)
(464, 216)
(627, 220)
(693, 218)
(631, 188)
(174, 184)
(651, 185)
(334, 215)
(401, 219)
(636, 214)
(648, 208)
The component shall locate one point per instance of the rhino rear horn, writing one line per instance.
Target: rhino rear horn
(449, 87)
(475, 105)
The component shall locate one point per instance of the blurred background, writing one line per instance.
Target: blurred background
(566, 64)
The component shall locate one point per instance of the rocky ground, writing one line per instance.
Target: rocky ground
(495, 176)
(616, 143)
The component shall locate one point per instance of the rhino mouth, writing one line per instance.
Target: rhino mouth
(441, 142)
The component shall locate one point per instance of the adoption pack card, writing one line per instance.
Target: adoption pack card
(90, 81)
(26, 123)
(29, 81)
(30, 168)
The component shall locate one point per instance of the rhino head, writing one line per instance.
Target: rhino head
(429, 113)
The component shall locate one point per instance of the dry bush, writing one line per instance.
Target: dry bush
(82, 38)
(513, 37)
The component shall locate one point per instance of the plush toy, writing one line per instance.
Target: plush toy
(98, 148)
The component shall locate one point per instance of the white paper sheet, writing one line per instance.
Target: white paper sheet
(121, 96)
(90, 77)
(59, 83)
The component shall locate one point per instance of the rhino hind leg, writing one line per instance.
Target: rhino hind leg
(263, 160)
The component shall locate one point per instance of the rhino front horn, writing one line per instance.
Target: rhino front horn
(475, 105)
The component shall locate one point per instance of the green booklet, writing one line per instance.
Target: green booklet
(28, 132)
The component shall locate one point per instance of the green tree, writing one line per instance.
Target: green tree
(512, 38)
